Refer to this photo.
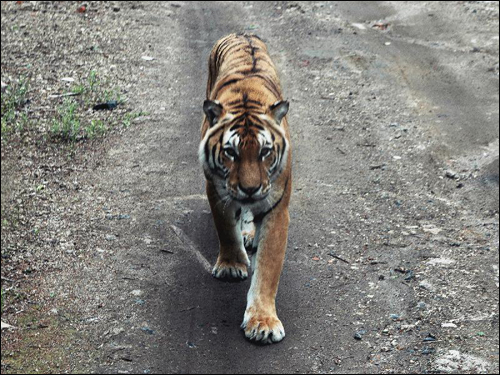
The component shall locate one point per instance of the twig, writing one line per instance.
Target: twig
(64, 95)
(188, 309)
(339, 258)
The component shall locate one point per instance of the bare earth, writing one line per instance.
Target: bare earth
(392, 261)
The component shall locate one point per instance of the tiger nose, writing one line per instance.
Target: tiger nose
(249, 190)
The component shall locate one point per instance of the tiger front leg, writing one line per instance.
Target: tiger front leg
(232, 262)
(261, 321)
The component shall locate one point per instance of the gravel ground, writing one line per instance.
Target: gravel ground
(392, 263)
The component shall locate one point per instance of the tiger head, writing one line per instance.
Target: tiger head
(243, 153)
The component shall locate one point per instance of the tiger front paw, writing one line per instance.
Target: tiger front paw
(230, 271)
(263, 328)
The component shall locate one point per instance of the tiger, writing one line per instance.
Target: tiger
(246, 155)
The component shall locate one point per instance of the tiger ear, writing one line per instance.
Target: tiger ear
(213, 110)
(279, 110)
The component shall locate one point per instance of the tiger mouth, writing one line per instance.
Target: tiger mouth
(250, 200)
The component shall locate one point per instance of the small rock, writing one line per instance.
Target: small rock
(427, 286)
(410, 275)
(6, 326)
(394, 316)
(117, 331)
(448, 325)
(451, 174)
(359, 335)
(440, 261)
(136, 292)
(148, 330)
(147, 58)
(110, 237)
(429, 338)
(359, 26)
(426, 350)
(432, 229)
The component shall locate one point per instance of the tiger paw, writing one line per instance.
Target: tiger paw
(248, 238)
(230, 271)
(262, 328)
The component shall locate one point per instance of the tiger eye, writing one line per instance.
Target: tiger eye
(230, 152)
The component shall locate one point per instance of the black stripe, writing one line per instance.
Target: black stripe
(223, 46)
(234, 127)
(227, 83)
(261, 216)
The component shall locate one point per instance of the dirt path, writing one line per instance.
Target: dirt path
(383, 245)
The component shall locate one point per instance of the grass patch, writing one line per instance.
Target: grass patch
(96, 128)
(66, 126)
(70, 122)
(14, 99)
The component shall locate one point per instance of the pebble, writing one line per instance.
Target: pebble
(428, 350)
(6, 326)
(449, 325)
(431, 229)
(136, 292)
(451, 174)
(359, 335)
(117, 331)
(427, 286)
(421, 306)
(110, 237)
(148, 330)
(429, 338)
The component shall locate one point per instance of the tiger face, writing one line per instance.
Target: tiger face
(243, 153)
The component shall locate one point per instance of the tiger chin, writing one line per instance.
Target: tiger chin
(246, 156)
